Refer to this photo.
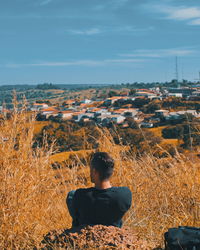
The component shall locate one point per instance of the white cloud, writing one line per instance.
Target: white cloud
(119, 29)
(178, 13)
(184, 13)
(134, 29)
(124, 60)
(159, 53)
(76, 63)
(195, 22)
(54, 64)
(88, 32)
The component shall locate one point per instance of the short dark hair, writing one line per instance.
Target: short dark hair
(103, 163)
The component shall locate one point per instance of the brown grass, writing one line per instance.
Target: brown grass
(157, 130)
(38, 126)
(32, 200)
(63, 156)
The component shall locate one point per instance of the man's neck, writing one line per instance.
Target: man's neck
(103, 184)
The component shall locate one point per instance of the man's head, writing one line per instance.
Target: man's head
(101, 166)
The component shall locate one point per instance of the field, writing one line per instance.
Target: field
(39, 125)
(158, 132)
(33, 194)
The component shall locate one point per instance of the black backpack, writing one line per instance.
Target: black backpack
(182, 238)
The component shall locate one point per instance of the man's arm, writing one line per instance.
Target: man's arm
(72, 204)
(125, 199)
(75, 204)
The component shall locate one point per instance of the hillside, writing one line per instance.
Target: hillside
(32, 202)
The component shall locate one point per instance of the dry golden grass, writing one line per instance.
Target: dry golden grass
(32, 200)
(29, 193)
(63, 156)
(157, 130)
(174, 142)
(38, 126)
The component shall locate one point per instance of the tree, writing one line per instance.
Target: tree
(152, 107)
(112, 93)
(173, 132)
(132, 123)
(132, 92)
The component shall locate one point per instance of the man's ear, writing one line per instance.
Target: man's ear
(96, 173)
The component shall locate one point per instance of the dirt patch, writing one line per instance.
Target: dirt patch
(93, 237)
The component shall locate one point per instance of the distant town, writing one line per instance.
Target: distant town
(120, 105)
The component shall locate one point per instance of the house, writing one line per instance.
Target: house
(93, 109)
(172, 116)
(180, 114)
(39, 106)
(146, 93)
(130, 112)
(86, 101)
(102, 112)
(146, 125)
(100, 118)
(111, 100)
(69, 103)
(65, 115)
(48, 111)
(77, 116)
(119, 111)
(196, 93)
(191, 112)
(185, 91)
(87, 116)
(117, 118)
(176, 94)
(110, 118)
(161, 113)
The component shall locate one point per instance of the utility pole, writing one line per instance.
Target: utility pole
(176, 71)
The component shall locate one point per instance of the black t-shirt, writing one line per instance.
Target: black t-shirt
(94, 206)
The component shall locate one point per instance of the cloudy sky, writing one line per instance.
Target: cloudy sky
(98, 41)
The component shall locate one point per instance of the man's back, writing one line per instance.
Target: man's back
(94, 206)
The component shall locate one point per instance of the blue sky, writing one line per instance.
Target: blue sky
(98, 41)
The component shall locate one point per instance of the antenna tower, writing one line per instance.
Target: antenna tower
(176, 71)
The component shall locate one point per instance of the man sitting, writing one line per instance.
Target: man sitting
(101, 204)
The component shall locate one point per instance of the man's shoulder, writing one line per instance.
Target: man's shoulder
(123, 197)
(80, 191)
(122, 194)
(118, 191)
(122, 190)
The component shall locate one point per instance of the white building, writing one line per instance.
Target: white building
(111, 118)
(65, 115)
(146, 125)
(86, 101)
(176, 94)
(178, 114)
(39, 106)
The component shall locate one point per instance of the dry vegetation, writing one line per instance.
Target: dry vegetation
(32, 200)
(38, 126)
